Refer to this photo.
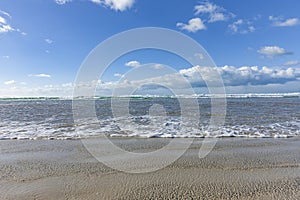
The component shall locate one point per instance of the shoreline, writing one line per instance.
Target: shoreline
(121, 137)
(237, 168)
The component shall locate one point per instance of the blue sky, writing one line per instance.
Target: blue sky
(44, 42)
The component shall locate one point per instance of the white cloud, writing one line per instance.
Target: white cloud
(2, 20)
(193, 25)
(10, 82)
(24, 90)
(205, 7)
(195, 76)
(215, 13)
(118, 75)
(272, 51)
(5, 26)
(199, 56)
(273, 18)
(291, 63)
(5, 13)
(246, 75)
(217, 17)
(133, 63)
(288, 22)
(234, 25)
(241, 26)
(251, 28)
(158, 66)
(234, 78)
(278, 21)
(49, 41)
(6, 57)
(41, 75)
(118, 5)
(231, 76)
(61, 2)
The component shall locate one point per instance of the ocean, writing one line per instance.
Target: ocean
(149, 117)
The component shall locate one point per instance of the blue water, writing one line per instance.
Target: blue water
(149, 117)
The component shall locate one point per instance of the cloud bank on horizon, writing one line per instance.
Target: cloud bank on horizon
(256, 50)
(196, 76)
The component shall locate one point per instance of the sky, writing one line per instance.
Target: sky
(254, 44)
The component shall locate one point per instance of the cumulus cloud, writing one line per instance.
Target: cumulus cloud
(23, 90)
(118, 75)
(217, 17)
(158, 66)
(49, 41)
(254, 76)
(10, 82)
(242, 26)
(291, 63)
(193, 25)
(272, 51)
(5, 13)
(40, 75)
(61, 2)
(118, 5)
(4, 25)
(234, 26)
(215, 13)
(2, 20)
(199, 56)
(289, 22)
(197, 75)
(280, 22)
(133, 63)
(237, 76)
(4, 28)
(233, 77)
(22, 33)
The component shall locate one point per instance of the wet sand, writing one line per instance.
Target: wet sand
(236, 169)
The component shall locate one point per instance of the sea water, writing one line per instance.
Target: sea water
(246, 116)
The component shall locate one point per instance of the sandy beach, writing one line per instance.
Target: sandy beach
(149, 100)
(236, 169)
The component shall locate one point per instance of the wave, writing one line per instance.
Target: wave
(248, 95)
(143, 127)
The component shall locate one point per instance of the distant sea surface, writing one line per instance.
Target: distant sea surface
(149, 117)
